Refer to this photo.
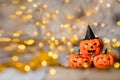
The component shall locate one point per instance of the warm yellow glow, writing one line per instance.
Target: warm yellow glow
(40, 9)
(78, 20)
(19, 13)
(100, 1)
(29, 42)
(43, 63)
(29, 0)
(63, 38)
(56, 42)
(50, 53)
(19, 64)
(41, 44)
(23, 7)
(13, 16)
(35, 33)
(37, 23)
(108, 5)
(57, 11)
(26, 17)
(53, 15)
(27, 68)
(118, 23)
(52, 46)
(55, 56)
(52, 38)
(16, 34)
(70, 17)
(95, 23)
(45, 6)
(29, 16)
(96, 8)
(43, 26)
(15, 58)
(72, 49)
(0, 34)
(8, 48)
(118, 43)
(88, 13)
(7, 39)
(48, 14)
(48, 33)
(116, 65)
(22, 47)
(85, 65)
(15, 1)
(69, 43)
(103, 25)
(44, 21)
(15, 40)
(106, 40)
(30, 10)
(52, 72)
(67, 1)
(114, 39)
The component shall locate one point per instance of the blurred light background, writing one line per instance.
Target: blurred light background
(34, 33)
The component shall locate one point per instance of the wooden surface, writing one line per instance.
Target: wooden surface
(84, 74)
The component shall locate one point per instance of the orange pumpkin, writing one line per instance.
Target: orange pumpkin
(79, 61)
(85, 61)
(103, 60)
(73, 60)
(91, 46)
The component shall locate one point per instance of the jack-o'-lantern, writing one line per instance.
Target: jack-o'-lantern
(103, 60)
(79, 61)
(84, 61)
(91, 45)
(73, 60)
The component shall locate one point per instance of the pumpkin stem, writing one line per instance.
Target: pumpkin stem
(106, 51)
(78, 52)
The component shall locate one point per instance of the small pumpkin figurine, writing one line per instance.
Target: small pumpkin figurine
(79, 61)
(91, 45)
(85, 61)
(103, 60)
(73, 60)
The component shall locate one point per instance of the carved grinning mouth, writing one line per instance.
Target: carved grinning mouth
(91, 51)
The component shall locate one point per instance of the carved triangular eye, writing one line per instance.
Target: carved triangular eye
(86, 43)
(95, 43)
(75, 60)
(108, 58)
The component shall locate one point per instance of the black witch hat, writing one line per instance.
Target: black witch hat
(89, 33)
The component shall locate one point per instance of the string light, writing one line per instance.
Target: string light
(103, 25)
(116, 65)
(43, 63)
(27, 68)
(52, 72)
(118, 23)
(29, 0)
(15, 58)
(22, 47)
(108, 5)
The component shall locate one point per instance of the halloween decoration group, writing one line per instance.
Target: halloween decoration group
(91, 53)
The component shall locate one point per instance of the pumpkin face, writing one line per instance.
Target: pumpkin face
(73, 60)
(103, 61)
(79, 61)
(91, 46)
(85, 61)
